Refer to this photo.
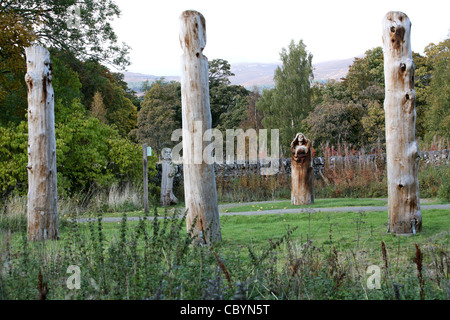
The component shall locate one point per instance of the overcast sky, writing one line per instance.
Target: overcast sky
(257, 30)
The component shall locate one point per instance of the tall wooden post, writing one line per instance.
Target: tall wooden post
(402, 152)
(302, 173)
(145, 176)
(42, 211)
(168, 171)
(199, 179)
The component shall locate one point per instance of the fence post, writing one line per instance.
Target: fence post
(199, 178)
(145, 176)
(42, 206)
(402, 152)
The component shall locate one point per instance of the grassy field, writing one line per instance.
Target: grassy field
(265, 205)
(344, 229)
(318, 203)
(307, 255)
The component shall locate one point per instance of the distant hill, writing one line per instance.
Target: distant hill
(135, 80)
(261, 74)
(254, 74)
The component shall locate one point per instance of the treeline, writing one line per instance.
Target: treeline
(348, 112)
(101, 123)
(351, 110)
(94, 109)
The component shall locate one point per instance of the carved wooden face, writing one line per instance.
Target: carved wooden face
(166, 154)
(299, 148)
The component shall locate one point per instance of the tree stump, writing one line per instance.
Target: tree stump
(402, 152)
(302, 172)
(199, 178)
(42, 206)
(168, 173)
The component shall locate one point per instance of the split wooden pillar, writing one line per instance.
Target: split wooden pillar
(168, 173)
(199, 178)
(402, 152)
(302, 174)
(42, 206)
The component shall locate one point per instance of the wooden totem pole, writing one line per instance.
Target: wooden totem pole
(402, 152)
(302, 172)
(168, 173)
(42, 211)
(199, 178)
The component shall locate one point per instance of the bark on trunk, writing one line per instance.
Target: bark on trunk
(302, 174)
(168, 173)
(199, 178)
(402, 152)
(42, 207)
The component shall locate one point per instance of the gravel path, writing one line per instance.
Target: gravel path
(280, 211)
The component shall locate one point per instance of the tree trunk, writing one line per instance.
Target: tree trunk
(42, 211)
(402, 152)
(168, 173)
(199, 178)
(302, 173)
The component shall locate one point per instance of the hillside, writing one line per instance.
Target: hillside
(254, 74)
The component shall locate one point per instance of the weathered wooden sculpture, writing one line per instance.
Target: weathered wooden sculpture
(302, 174)
(402, 152)
(42, 211)
(168, 173)
(199, 179)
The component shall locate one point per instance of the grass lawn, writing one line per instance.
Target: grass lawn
(356, 236)
(318, 203)
(347, 229)
(267, 205)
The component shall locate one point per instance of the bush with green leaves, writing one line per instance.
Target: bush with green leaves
(89, 154)
(13, 158)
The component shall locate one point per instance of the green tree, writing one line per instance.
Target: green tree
(224, 97)
(253, 116)
(157, 116)
(438, 114)
(335, 123)
(77, 46)
(219, 72)
(329, 92)
(373, 124)
(98, 109)
(13, 158)
(95, 77)
(422, 80)
(285, 106)
(366, 73)
(81, 27)
(16, 33)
